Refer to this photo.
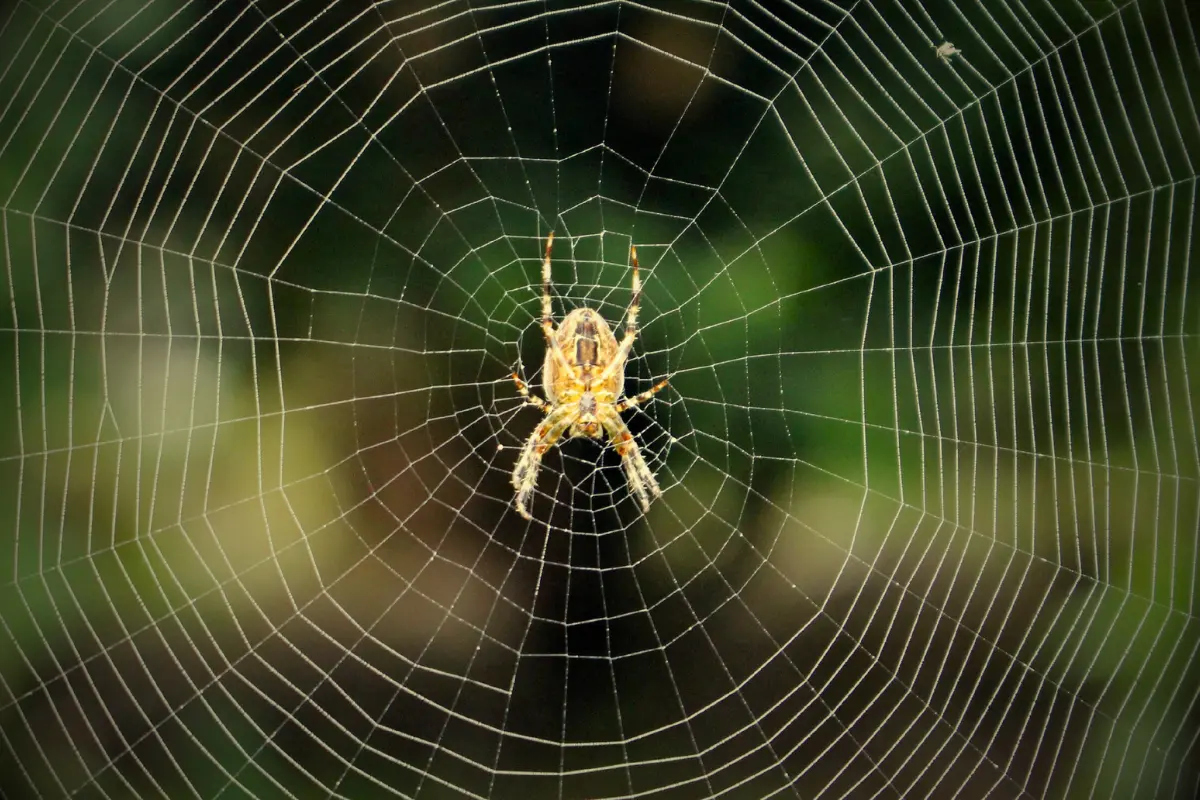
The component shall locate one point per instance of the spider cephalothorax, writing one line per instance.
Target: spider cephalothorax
(583, 377)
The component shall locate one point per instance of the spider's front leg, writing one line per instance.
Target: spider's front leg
(641, 480)
(548, 431)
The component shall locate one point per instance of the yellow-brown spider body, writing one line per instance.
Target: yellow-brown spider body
(588, 345)
(583, 377)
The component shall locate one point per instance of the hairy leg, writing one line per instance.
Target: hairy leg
(530, 399)
(631, 327)
(547, 307)
(641, 480)
(630, 402)
(548, 312)
(548, 431)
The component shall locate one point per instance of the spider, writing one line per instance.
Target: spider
(583, 376)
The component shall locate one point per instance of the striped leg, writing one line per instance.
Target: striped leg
(635, 301)
(642, 483)
(547, 306)
(548, 311)
(524, 475)
(530, 399)
(630, 402)
(631, 327)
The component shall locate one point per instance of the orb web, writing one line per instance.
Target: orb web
(918, 275)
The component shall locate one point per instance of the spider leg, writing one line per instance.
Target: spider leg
(635, 301)
(548, 431)
(548, 312)
(547, 307)
(530, 399)
(631, 327)
(630, 402)
(642, 483)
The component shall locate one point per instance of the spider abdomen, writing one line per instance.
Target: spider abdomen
(589, 347)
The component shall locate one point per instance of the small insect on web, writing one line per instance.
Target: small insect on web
(583, 378)
(945, 50)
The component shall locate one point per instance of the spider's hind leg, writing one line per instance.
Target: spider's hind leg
(547, 305)
(635, 300)
(548, 311)
(631, 325)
